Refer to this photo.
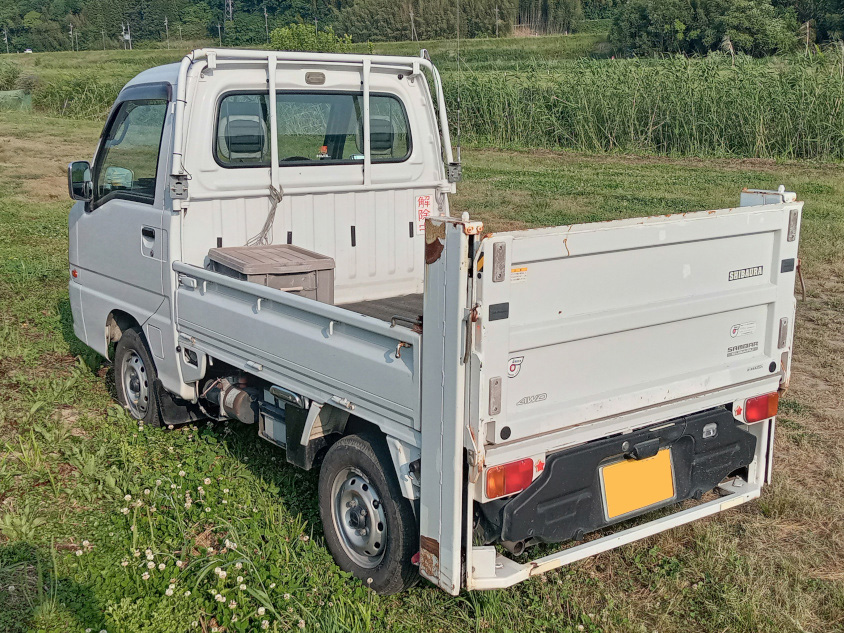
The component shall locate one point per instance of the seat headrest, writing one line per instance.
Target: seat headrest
(382, 135)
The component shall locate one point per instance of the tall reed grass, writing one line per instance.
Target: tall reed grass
(773, 108)
(678, 106)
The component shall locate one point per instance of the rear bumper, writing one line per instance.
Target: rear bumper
(567, 501)
(491, 570)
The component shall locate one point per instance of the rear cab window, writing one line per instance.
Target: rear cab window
(314, 128)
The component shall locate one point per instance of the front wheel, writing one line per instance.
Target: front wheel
(369, 526)
(134, 377)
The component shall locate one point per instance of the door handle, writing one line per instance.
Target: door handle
(148, 233)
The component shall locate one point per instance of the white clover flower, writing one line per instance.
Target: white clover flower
(125, 510)
(207, 481)
(238, 564)
(170, 427)
(172, 486)
(180, 563)
(187, 593)
(161, 566)
(136, 553)
(145, 576)
(125, 563)
(580, 627)
(150, 565)
(265, 624)
(147, 551)
(157, 482)
(217, 570)
(152, 508)
(219, 598)
(85, 543)
(11, 588)
(272, 585)
(127, 498)
(305, 537)
(103, 631)
(149, 555)
(242, 587)
(287, 596)
(226, 490)
(169, 592)
(88, 630)
(232, 604)
(225, 502)
(301, 624)
(79, 552)
(208, 509)
(240, 579)
(223, 575)
(261, 610)
(210, 550)
(146, 491)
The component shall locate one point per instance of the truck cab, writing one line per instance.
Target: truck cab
(266, 237)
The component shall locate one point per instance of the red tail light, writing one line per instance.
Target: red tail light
(508, 479)
(761, 407)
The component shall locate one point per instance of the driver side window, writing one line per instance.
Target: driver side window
(128, 160)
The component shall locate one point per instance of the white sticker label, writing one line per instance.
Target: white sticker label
(423, 210)
(518, 275)
(514, 366)
(742, 329)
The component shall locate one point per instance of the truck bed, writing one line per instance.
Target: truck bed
(406, 306)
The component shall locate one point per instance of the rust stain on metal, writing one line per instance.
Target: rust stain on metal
(429, 557)
(434, 238)
(473, 228)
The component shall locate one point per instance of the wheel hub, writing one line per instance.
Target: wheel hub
(135, 384)
(359, 518)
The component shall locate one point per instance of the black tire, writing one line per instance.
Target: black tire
(364, 466)
(135, 377)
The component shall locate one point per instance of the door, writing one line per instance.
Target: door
(121, 244)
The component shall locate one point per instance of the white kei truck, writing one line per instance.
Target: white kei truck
(265, 236)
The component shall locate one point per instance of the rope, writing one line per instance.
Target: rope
(262, 238)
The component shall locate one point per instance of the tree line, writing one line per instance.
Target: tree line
(639, 27)
(43, 25)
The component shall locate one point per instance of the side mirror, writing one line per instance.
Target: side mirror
(79, 183)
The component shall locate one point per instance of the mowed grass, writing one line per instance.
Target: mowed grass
(69, 456)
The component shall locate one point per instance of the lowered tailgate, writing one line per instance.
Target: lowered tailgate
(591, 321)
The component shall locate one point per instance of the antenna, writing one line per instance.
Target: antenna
(458, 84)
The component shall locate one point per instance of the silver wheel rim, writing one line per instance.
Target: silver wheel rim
(358, 516)
(135, 384)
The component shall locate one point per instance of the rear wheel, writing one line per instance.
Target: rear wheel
(134, 376)
(369, 526)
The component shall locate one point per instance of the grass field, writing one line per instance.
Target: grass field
(87, 497)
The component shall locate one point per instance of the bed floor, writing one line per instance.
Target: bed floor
(407, 306)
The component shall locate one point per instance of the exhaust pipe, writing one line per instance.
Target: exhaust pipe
(235, 401)
(516, 548)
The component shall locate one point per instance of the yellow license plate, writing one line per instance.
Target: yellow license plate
(634, 484)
